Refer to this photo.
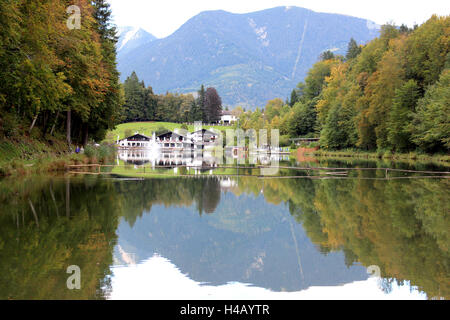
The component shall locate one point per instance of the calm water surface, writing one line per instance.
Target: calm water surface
(182, 234)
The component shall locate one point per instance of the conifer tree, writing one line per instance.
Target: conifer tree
(353, 50)
(201, 103)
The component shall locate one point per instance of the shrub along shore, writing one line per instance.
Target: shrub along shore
(32, 156)
(441, 159)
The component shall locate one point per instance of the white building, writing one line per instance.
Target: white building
(228, 117)
(204, 136)
(171, 141)
(136, 141)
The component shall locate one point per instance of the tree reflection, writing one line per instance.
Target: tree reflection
(400, 225)
(139, 197)
(37, 247)
(48, 224)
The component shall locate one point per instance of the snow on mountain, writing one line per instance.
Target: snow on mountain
(132, 37)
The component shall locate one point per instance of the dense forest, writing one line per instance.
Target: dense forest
(141, 104)
(58, 70)
(391, 94)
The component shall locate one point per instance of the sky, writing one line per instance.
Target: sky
(163, 17)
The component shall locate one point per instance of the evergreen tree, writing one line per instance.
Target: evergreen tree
(201, 103)
(327, 55)
(294, 98)
(134, 107)
(150, 104)
(196, 113)
(213, 105)
(353, 50)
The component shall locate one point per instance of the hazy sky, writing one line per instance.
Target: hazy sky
(163, 17)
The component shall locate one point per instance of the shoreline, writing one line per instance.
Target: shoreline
(31, 156)
(413, 157)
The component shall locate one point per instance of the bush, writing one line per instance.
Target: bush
(284, 141)
(105, 152)
(9, 125)
(90, 151)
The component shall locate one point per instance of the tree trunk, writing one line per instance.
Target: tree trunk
(34, 212)
(85, 135)
(54, 200)
(33, 123)
(54, 124)
(67, 197)
(45, 124)
(69, 133)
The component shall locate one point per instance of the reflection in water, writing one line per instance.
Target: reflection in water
(47, 225)
(246, 240)
(159, 279)
(188, 158)
(268, 238)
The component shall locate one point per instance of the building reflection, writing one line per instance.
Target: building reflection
(169, 159)
(195, 159)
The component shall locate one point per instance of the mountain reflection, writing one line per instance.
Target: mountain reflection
(278, 234)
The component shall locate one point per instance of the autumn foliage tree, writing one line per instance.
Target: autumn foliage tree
(57, 80)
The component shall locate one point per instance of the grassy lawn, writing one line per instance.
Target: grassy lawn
(147, 128)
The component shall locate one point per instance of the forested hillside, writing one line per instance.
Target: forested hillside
(58, 80)
(391, 94)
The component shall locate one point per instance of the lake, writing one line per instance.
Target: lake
(143, 231)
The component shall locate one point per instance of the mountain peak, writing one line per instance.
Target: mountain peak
(132, 37)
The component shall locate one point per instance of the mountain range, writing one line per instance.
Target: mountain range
(249, 58)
